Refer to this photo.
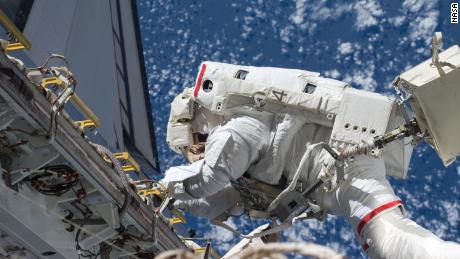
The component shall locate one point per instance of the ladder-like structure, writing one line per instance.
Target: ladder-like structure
(61, 198)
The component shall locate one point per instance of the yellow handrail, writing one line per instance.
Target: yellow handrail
(133, 165)
(75, 98)
(9, 26)
(14, 46)
(86, 110)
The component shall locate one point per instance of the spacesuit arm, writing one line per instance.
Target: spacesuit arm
(230, 150)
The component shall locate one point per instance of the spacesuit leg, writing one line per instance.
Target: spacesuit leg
(391, 235)
(368, 202)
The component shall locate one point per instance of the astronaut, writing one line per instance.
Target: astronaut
(260, 126)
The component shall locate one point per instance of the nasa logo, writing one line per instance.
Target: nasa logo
(454, 13)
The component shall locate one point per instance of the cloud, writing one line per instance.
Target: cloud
(397, 20)
(452, 210)
(345, 48)
(367, 14)
(308, 14)
(222, 237)
(426, 18)
(333, 73)
(363, 77)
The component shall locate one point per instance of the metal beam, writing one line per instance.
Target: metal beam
(82, 156)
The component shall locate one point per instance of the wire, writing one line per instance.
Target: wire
(124, 180)
(54, 180)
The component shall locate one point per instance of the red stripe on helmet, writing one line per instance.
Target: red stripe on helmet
(200, 78)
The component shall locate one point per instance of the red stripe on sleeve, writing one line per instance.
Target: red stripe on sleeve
(375, 212)
(198, 82)
(365, 247)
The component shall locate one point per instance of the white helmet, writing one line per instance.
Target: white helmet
(179, 132)
(189, 123)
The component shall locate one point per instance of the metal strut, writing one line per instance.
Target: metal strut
(57, 107)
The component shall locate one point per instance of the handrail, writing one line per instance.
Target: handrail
(75, 98)
(9, 26)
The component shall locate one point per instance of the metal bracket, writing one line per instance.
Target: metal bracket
(50, 81)
(18, 175)
(179, 217)
(208, 251)
(57, 107)
(35, 160)
(150, 192)
(436, 45)
(85, 123)
(175, 221)
(98, 237)
(7, 116)
(109, 212)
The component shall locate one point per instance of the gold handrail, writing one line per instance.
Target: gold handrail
(75, 98)
(9, 26)
(126, 156)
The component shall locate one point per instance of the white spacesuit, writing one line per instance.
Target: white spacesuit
(257, 123)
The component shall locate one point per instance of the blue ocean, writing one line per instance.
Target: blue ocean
(366, 43)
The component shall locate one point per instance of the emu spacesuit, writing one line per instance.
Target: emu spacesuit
(259, 124)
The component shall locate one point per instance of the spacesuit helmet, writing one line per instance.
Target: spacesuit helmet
(189, 125)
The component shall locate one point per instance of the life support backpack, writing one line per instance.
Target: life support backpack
(354, 115)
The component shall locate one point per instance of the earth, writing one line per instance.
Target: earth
(365, 43)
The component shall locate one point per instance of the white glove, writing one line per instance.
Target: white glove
(177, 190)
(175, 177)
(328, 171)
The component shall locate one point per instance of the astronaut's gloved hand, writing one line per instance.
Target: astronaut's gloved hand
(224, 201)
(175, 177)
(328, 171)
(176, 190)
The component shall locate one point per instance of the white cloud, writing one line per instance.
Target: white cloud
(285, 33)
(316, 12)
(222, 236)
(452, 210)
(416, 5)
(345, 48)
(297, 17)
(424, 26)
(426, 13)
(333, 73)
(367, 13)
(397, 20)
(363, 78)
